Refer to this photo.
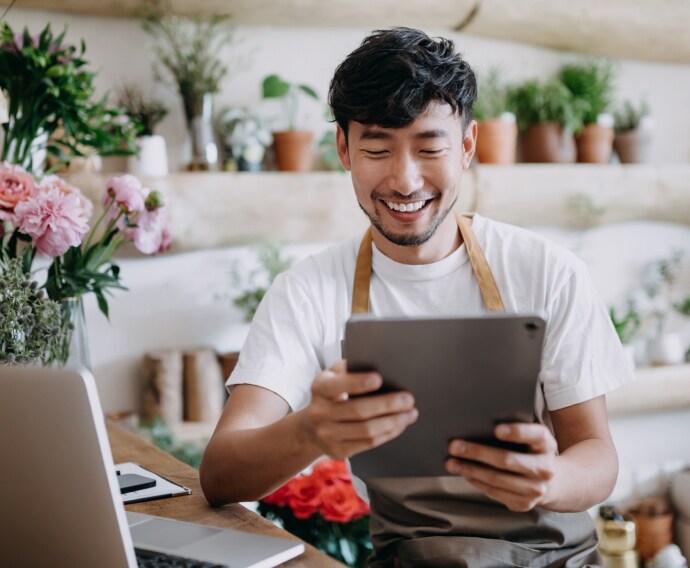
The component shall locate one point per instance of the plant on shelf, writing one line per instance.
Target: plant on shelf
(323, 509)
(293, 147)
(592, 83)
(547, 115)
(245, 136)
(189, 53)
(633, 133)
(50, 218)
(50, 107)
(497, 137)
(252, 286)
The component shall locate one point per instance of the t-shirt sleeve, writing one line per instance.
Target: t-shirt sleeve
(583, 357)
(281, 350)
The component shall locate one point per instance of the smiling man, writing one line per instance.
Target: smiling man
(403, 104)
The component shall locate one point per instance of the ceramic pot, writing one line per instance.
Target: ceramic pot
(634, 146)
(548, 142)
(293, 150)
(653, 533)
(152, 160)
(496, 141)
(594, 144)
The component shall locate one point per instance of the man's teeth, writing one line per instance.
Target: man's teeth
(414, 206)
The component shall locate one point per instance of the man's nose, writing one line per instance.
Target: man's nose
(405, 175)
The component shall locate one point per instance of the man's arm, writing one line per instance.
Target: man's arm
(580, 476)
(258, 444)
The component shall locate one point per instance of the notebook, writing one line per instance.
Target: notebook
(61, 503)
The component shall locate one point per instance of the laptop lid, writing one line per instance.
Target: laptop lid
(61, 505)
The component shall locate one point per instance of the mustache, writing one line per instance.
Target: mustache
(397, 196)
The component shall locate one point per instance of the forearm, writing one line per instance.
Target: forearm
(245, 465)
(585, 475)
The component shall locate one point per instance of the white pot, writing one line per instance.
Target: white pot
(153, 158)
(667, 349)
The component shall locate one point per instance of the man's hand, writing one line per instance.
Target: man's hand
(342, 426)
(519, 481)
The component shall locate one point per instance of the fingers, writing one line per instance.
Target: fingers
(336, 384)
(536, 436)
(365, 408)
(515, 502)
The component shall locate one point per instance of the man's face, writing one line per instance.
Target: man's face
(407, 179)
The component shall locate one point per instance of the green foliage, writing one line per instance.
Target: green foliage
(254, 286)
(538, 102)
(49, 88)
(629, 116)
(683, 307)
(352, 548)
(161, 436)
(494, 97)
(189, 53)
(147, 113)
(628, 325)
(275, 87)
(30, 323)
(329, 151)
(592, 83)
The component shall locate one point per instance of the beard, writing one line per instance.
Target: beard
(408, 240)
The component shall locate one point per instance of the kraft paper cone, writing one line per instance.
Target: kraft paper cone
(163, 386)
(203, 386)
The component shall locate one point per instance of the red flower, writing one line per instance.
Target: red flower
(279, 497)
(305, 496)
(329, 472)
(341, 504)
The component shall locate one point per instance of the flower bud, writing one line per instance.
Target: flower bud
(154, 201)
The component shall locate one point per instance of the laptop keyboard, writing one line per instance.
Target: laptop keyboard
(147, 559)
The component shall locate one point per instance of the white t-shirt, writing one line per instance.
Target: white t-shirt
(298, 328)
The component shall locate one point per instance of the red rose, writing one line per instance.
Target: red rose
(279, 497)
(331, 471)
(305, 496)
(340, 503)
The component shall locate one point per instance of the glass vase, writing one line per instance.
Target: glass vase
(73, 346)
(198, 109)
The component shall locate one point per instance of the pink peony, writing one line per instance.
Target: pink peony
(16, 186)
(127, 193)
(153, 232)
(66, 189)
(53, 220)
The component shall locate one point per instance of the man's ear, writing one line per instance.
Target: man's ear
(341, 145)
(469, 144)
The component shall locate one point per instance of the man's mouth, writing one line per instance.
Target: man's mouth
(407, 207)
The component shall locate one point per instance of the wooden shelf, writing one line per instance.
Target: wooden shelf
(657, 389)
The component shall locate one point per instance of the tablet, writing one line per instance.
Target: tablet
(467, 375)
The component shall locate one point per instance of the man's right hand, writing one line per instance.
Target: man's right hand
(342, 426)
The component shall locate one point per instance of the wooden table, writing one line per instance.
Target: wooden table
(128, 447)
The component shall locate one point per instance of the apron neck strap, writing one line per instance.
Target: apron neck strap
(482, 272)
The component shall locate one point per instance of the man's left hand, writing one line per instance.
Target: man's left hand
(521, 481)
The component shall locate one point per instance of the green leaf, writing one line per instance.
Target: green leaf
(309, 91)
(275, 87)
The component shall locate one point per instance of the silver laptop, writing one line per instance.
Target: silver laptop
(60, 503)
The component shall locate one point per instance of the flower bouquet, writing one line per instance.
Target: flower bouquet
(51, 218)
(323, 509)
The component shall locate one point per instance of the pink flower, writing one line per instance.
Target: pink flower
(153, 232)
(16, 186)
(63, 187)
(127, 193)
(53, 220)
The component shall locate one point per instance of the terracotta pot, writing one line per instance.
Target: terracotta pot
(654, 532)
(633, 147)
(496, 142)
(548, 142)
(294, 150)
(594, 144)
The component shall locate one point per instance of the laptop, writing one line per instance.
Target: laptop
(60, 503)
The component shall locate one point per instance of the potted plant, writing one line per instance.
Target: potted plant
(592, 83)
(293, 147)
(245, 138)
(497, 137)
(547, 115)
(50, 107)
(633, 133)
(147, 113)
(189, 52)
(627, 328)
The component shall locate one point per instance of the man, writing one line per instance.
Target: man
(403, 104)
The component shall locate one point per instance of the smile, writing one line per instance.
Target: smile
(406, 207)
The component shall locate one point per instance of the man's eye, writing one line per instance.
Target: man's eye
(376, 152)
(433, 152)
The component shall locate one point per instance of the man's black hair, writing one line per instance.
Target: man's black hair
(392, 77)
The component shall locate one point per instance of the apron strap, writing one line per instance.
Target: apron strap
(482, 272)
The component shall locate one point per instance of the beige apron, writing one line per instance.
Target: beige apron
(444, 521)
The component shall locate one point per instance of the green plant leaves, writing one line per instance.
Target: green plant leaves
(275, 87)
